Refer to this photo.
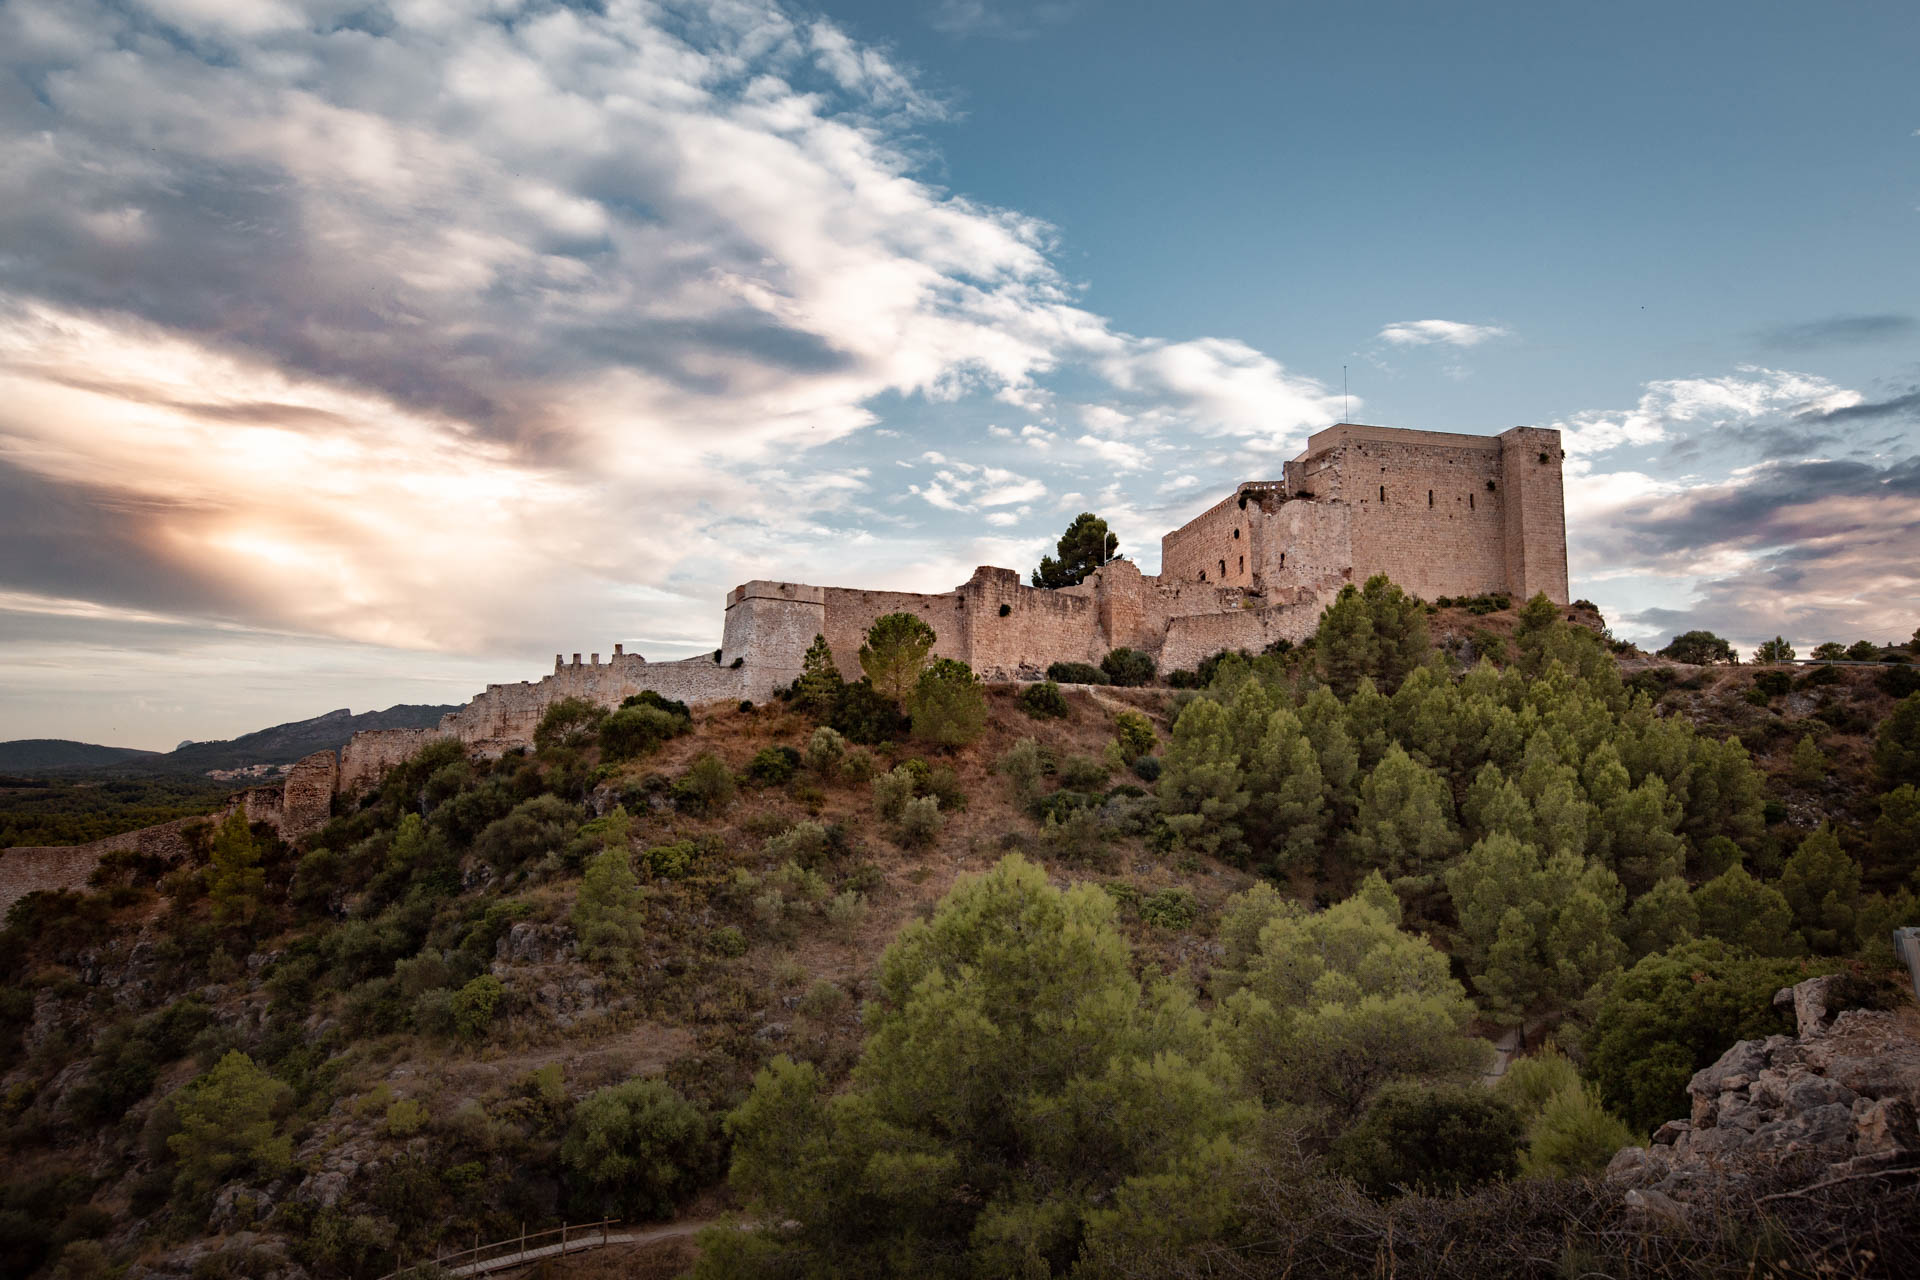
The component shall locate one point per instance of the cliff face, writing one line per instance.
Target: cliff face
(1836, 1101)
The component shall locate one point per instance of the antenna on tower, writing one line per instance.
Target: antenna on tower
(1343, 393)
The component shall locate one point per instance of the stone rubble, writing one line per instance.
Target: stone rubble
(1838, 1100)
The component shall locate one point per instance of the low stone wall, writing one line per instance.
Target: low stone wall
(367, 756)
(29, 869)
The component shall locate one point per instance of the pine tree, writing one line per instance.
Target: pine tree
(1743, 911)
(1535, 932)
(1809, 765)
(235, 879)
(1203, 790)
(895, 653)
(1822, 887)
(1286, 811)
(820, 681)
(1662, 917)
(1404, 825)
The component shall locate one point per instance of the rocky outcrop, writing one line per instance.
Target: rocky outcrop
(1837, 1100)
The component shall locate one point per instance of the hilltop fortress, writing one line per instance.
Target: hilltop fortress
(1441, 514)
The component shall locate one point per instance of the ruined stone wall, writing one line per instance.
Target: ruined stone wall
(1214, 547)
(850, 613)
(506, 715)
(1535, 528)
(369, 754)
(1194, 637)
(1038, 627)
(769, 627)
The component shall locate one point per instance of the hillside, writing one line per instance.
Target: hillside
(31, 756)
(1219, 957)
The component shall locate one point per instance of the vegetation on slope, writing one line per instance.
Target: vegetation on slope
(969, 985)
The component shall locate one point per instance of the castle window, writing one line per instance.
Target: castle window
(1223, 569)
(1236, 533)
(1005, 609)
(1203, 575)
(1383, 493)
(1543, 455)
(1490, 486)
(1243, 564)
(1429, 497)
(1469, 502)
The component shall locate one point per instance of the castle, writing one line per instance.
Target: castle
(1441, 514)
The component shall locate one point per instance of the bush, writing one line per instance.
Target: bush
(806, 843)
(772, 766)
(1773, 683)
(634, 731)
(474, 1006)
(892, 790)
(727, 941)
(1430, 1138)
(1083, 773)
(1128, 667)
(1077, 673)
(634, 1150)
(1575, 1136)
(1044, 701)
(607, 915)
(1863, 651)
(865, 715)
(1701, 647)
(228, 1122)
(706, 788)
(570, 722)
(1774, 650)
(1023, 766)
(1134, 733)
(826, 754)
(1147, 769)
(1169, 908)
(920, 822)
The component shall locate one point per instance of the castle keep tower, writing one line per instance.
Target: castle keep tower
(1442, 514)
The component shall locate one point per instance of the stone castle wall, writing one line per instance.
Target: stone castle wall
(1440, 513)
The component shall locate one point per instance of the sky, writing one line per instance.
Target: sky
(356, 352)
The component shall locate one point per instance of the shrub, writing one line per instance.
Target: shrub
(1023, 767)
(535, 828)
(635, 1149)
(475, 1004)
(229, 1122)
(1774, 650)
(659, 702)
(1044, 701)
(727, 941)
(406, 1117)
(949, 705)
(866, 715)
(1169, 908)
(1701, 647)
(1435, 1138)
(607, 915)
(805, 843)
(826, 753)
(707, 787)
(846, 912)
(1575, 1136)
(891, 792)
(1773, 683)
(1134, 733)
(570, 722)
(634, 731)
(1077, 673)
(1083, 773)
(1128, 667)
(1863, 651)
(1147, 769)
(772, 766)
(920, 822)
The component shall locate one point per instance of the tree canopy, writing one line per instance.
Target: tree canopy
(1084, 547)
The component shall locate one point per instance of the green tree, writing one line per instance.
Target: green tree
(949, 706)
(1822, 887)
(1433, 1138)
(474, 1004)
(1639, 835)
(608, 913)
(235, 879)
(1672, 1014)
(1128, 667)
(1774, 651)
(896, 653)
(1084, 547)
(1018, 1090)
(819, 684)
(1203, 789)
(1334, 1004)
(1809, 765)
(1746, 912)
(568, 723)
(1575, 1136)
(1134, 733)
(1535, 933)
(707, 787)
(229, 1124)
(1700, 647)
(1404, 824)
(1286, 818)
(1376, 630)
(1896, 748)
(1662, 917)
(1894, 845)
(633, 1150)
(1864, 651)
(1831, 651)
(634, 731)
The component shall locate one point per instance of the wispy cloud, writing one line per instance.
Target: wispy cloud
(1839, 331)
(1451, 333)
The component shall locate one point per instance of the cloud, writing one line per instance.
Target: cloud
(1668, 408)
(999, 21)
(1902, 406)
(1837, 331)
(1211, 386)
(1452, 333)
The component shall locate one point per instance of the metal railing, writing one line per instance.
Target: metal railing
(516, 1251)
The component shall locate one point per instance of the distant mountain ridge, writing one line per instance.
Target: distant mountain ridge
(280, 744)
